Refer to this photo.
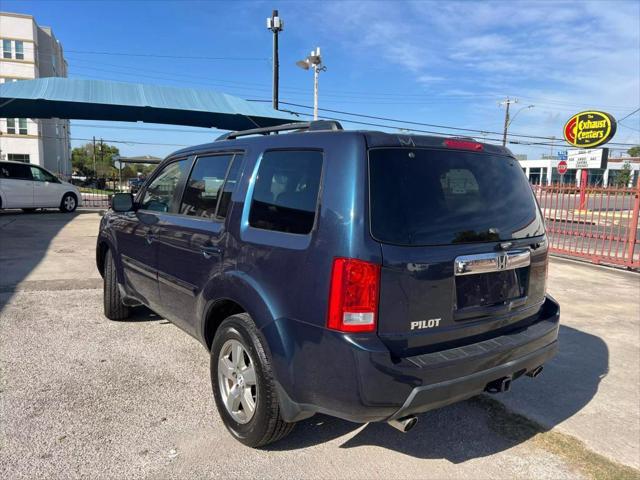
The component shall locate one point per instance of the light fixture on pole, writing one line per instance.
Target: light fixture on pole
(314, 60)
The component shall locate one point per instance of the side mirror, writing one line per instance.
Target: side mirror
(122, 202)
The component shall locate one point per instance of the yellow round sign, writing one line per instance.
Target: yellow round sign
(590, 129)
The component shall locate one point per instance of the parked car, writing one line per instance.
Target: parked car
(29, 187)
(365, 275)
(135, 184)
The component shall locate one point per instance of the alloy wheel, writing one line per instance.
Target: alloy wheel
(237, 381)
(69, 203)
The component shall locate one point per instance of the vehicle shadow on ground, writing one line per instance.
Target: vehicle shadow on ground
(143, 314)
(481, 426)
(25, 238)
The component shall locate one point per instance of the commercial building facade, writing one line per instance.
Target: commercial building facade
(31, 51)
(545, 172)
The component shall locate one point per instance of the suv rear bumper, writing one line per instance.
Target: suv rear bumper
(366, 384)
(429, 397)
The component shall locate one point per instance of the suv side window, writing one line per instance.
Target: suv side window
(15, 171)
(40, 175)
(229, 186)
(285, 194)
(204, 187)
(160, 193)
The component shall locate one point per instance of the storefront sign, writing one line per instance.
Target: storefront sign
(589, 129)
(585, 159)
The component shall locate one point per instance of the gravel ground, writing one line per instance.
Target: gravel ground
(86, 397)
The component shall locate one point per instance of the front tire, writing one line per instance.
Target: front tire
(243, 384)
(69, 203)
(114, 308)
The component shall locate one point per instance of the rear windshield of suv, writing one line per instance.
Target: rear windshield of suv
(440, 197)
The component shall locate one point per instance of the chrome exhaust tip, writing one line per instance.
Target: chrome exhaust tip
(535, 372)
(404, 424)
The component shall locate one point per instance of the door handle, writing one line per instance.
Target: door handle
(210, 250)
(149, 237)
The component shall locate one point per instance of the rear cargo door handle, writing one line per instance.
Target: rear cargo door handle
(210, 250)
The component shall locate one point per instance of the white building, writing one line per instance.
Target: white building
(29, 51)
(544, 171)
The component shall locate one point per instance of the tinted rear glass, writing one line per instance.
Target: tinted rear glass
(440, 197)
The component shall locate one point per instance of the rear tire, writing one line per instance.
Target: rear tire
(114, 308)
(69, 203)
(263, 424)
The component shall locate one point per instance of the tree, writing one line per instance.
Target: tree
(634, 151)
(82, 160)
(624, 177)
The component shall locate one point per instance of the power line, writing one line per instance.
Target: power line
(409, 122)
(153, 55)
(627, 116)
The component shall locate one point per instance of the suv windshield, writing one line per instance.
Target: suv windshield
(440, 197)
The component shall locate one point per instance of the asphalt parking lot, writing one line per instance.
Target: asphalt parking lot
(81, 396)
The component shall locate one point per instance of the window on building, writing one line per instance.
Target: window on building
(6, 48)
(204, 187)
(19, 46)
(18, 157)
(535, 176)
(160, 193)
(22, 126)
(11, 125)
(286, 191)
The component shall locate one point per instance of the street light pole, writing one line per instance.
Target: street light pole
(276, 25)
(315, 92)
(314, 60)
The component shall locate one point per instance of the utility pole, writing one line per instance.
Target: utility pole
(95, 172)
(101, 152)
(276, 25)
(507, 102)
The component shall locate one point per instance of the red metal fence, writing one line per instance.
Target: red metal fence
(599, 224)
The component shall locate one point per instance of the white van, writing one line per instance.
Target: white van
(28, 187)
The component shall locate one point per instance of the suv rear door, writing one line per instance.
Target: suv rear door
(462, 243)
(191, 238)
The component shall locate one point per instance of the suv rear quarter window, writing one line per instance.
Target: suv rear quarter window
(285, 194)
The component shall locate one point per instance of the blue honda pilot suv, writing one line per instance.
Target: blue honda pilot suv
(366, 275)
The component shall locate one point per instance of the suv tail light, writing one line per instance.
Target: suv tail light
(353, 295)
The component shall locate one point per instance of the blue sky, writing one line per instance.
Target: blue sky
(446, 63)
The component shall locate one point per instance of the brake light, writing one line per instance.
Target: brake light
(353, 295)
(463, 144)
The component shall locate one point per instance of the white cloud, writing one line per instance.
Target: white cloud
(560, 56)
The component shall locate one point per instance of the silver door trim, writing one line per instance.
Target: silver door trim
(491, 262)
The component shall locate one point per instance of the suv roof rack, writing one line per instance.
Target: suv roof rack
(315, 125)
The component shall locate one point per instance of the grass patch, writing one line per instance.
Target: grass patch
(518, 428)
